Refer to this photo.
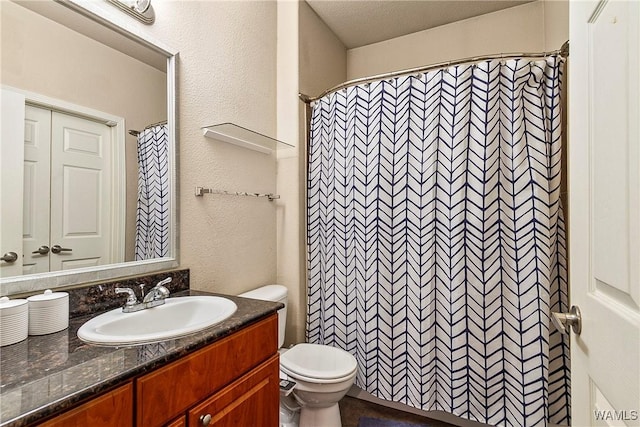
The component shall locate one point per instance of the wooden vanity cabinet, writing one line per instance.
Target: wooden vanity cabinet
(114, 408)
(178, 422)
(243, 365)
(252, 401)
(234, 380)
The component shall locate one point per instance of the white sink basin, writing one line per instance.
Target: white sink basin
(176, 318)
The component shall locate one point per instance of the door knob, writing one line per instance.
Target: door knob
(42, 250)
(56, 249)
(9, 257)
(205, 420)
(563, 320)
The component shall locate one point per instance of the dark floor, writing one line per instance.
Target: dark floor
(351, 409)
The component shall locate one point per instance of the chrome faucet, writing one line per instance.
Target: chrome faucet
(155, 297)
(132, 300)
(158, 292)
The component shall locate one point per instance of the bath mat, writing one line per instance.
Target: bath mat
(380, 422)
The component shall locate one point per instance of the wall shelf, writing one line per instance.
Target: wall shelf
(243, 137)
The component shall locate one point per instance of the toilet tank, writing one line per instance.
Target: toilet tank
(275, 293)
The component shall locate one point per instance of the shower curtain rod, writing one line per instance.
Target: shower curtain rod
(563, 51)
(138, 132)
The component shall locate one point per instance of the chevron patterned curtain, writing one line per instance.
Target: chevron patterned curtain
(436, 239)
(153, 211)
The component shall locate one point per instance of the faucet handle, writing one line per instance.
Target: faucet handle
(131, 298)
(164, 282)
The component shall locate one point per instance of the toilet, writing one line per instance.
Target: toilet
(322, 374)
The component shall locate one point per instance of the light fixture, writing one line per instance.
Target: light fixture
(139, 9)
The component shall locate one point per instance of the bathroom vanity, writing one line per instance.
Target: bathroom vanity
(226, 375)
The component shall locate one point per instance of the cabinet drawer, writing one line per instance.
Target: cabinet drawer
(253, 400)
(111, 409)
(178, 422)
(169, 391)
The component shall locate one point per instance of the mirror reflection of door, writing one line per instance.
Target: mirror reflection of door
(66, 188)
(36, 190)
(11, 176)
(66, 215)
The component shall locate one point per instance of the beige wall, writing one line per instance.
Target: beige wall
(323, 57)
(542, 25)
(517, 29)
(556, 23)
(42, 56)
(290, 260)
(310, 59)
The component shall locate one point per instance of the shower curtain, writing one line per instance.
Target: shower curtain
(436, 246)
(153, 211)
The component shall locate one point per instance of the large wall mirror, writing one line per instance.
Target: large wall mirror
(87, 147)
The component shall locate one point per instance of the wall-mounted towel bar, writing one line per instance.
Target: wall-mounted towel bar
(201, 191)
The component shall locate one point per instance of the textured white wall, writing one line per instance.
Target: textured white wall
(226, 73)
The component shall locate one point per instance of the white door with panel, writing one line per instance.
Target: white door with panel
(604, 221)
(58, 174)
(36, 190)
(80, 193)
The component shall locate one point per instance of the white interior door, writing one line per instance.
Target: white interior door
(604, 222)
(80, 192)
(11, 164)
(36, 190)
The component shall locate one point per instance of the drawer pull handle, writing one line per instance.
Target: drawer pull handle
(205, 419)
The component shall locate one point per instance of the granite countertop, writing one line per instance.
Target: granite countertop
(46, 374)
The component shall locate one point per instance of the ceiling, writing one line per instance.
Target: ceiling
(362, 22)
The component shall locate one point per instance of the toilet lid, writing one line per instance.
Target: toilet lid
(317, 361)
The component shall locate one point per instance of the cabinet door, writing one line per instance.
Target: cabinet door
(169, 391)
(178, 422)
(111, 409)
(253, 400)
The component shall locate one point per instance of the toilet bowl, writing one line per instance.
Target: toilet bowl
(323, 374)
